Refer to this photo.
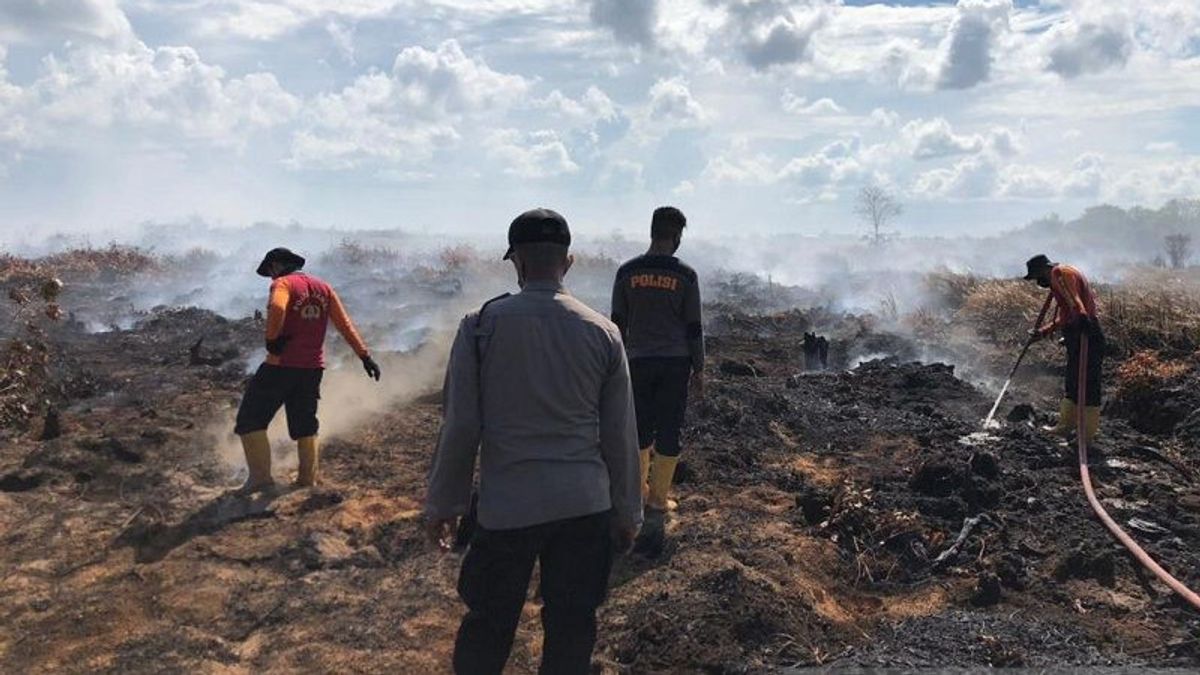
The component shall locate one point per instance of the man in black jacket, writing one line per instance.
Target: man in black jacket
(656, 304)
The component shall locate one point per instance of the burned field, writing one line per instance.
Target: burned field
(847, 517)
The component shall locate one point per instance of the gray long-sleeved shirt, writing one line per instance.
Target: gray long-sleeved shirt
(656, 304)
(549, 412)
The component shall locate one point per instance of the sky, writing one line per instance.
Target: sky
(753, 116)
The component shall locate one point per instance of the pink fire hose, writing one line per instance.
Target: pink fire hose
(1137, 551)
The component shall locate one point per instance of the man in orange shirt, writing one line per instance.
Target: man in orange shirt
(298, 314)
(1076, 316)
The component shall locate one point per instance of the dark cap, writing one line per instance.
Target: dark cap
(536, 227)
(1036, 264)
(280, 255)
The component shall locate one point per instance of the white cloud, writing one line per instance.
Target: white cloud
(271, 19)
(798, 105)
(623, 176)
(967, 50)
(1084, 180)
(536, 155)
(1029, 182)
(365, 122)
(168, 87)
(592, 108)
(343, 40)
(1087, 176)
(12, 125)
(986, 177)
(882, 117)
(834, 164)
(404, 117)
(933, 139)
(447, 80)
(1170, 27)
(740, 169)
(970, 178)
(1078, 49)
(25, 20)
(631, 21)
(1003, 142)
(903, 64)
(1157, 183)
(671, 101)
(1168, 147)
(772, 32)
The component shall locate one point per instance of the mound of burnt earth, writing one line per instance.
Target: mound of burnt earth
(125, 405)
(884, 462)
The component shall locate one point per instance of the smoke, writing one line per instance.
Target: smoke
(349, 400)
(407, 291)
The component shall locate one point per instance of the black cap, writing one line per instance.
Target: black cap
(280, 255)
(538, 226)
(1036, 264)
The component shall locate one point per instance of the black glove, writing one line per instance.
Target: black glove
(371, 367)
(275, 347)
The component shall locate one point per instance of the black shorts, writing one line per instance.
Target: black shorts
(296, 389)
(660, 392)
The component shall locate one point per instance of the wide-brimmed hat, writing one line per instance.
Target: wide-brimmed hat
(1035, 265)
(280, 255)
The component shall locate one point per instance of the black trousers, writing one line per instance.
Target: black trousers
(660, 393)
(576, 558)
(297, 390)
(1095, 363)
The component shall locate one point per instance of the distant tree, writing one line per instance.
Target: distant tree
(1179, 249)
(877, 208)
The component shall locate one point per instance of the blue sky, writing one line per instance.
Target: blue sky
(754, 116)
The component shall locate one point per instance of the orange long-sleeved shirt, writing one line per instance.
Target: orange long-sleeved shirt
(1073, 297)
(300, 309)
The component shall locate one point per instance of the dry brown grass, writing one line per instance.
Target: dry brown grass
(1150, 310)
(25, 355)
(79, 264)
(1001, 311)
(1147, 373)
(458, 257)
(353, 253)
(950, 290)
(1153, 310)
(113, 261)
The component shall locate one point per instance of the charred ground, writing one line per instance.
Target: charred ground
(831, 518)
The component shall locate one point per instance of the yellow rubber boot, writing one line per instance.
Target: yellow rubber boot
(1091, 422)
(308, 448)
(644, 461)
(1066, 419)
(662, 474)
(257, 447)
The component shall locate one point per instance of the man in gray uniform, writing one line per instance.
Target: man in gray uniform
(538, 386)
(656, 304)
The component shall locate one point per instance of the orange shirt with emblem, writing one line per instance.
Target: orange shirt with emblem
(300, 309)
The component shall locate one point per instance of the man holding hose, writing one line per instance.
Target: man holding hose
(1077, 318)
